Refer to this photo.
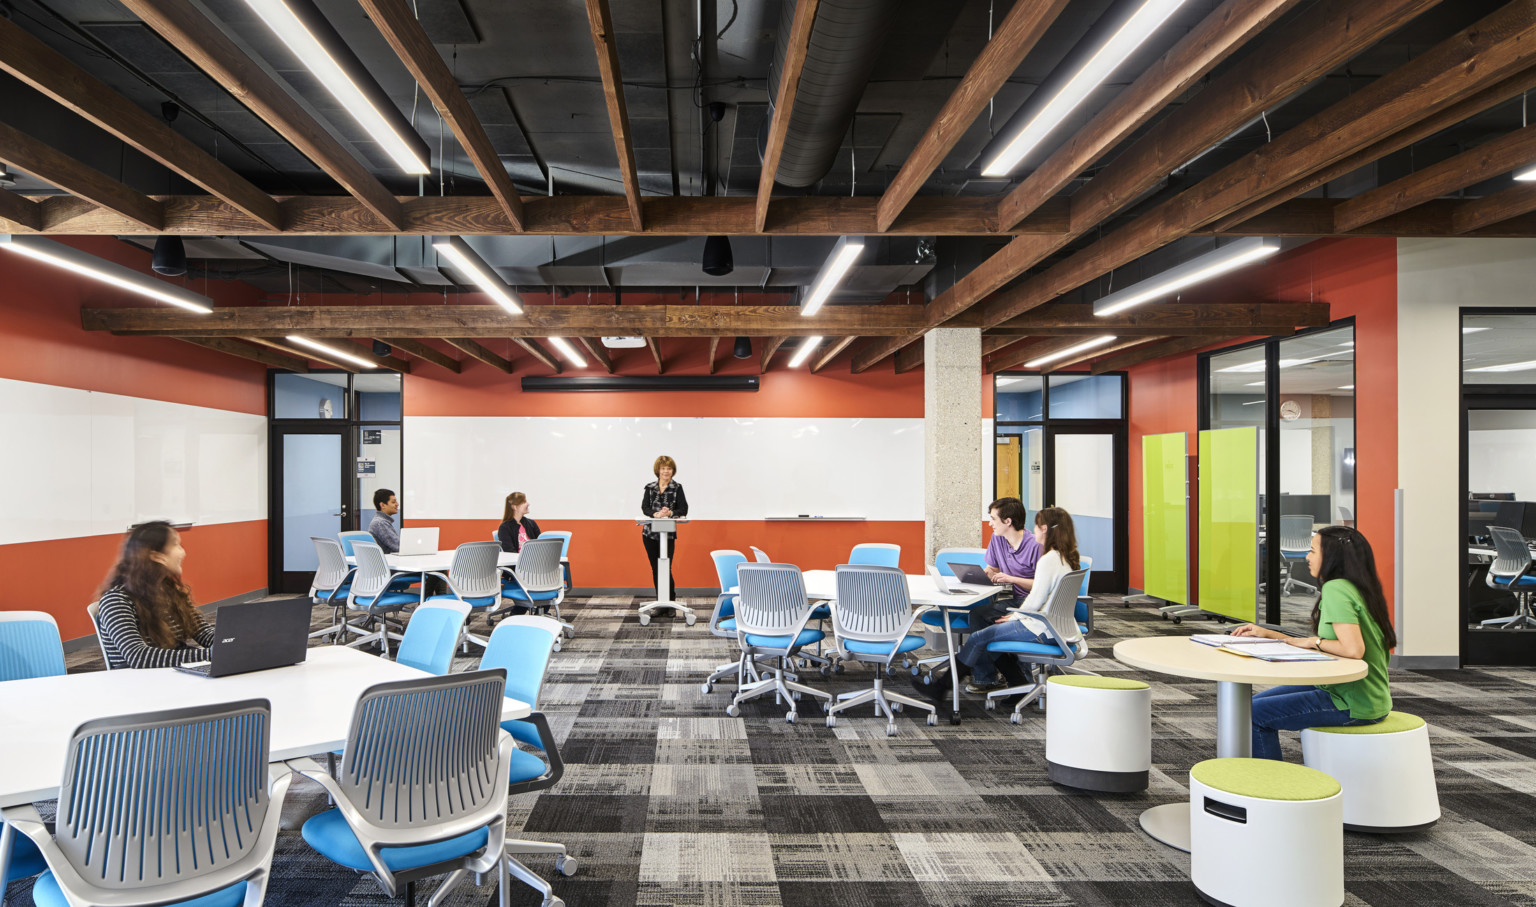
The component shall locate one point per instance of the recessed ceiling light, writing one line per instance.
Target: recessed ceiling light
(844, 254)
(1346, 387)
(1475, 330)
(1508, 367)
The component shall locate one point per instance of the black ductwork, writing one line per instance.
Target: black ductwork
(646, 383)
(846, 40)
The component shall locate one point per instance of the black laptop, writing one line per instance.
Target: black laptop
(256, 636)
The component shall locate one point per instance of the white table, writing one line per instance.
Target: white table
(821, 585)
(311, 712)
(1235, 676)
(440, 562)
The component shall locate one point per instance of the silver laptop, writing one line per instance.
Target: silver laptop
(418, 541)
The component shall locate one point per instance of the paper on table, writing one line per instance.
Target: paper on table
(1276, 651)
(1222, 639)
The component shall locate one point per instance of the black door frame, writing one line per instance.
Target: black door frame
(279, 580)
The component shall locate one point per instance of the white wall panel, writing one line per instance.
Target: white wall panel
(733, 469)
(81, 463)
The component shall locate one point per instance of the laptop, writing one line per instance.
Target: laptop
(965, 575)
(418, 541)
(255, 636)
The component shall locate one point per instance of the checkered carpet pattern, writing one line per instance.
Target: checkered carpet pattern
(667, 801)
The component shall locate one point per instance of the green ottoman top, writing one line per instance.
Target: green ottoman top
(1394, 723)
(1096, 683)
(1265, 779)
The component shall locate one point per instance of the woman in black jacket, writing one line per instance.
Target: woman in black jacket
(662, 498)
(516, 528)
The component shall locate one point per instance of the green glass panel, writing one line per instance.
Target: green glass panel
(1165, 517)
(1229, 522)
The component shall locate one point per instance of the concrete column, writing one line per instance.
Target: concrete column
(953, 488)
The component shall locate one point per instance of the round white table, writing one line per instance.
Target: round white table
(1235, 676)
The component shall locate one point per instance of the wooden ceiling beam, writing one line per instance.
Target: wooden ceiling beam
(991, 343)
(1006, 50)
(831, 353)
(492, 321)
(560, 215)
(1122, 343)
(594, 346)
(1174, 347)
(1278, 66)
(366, 353)
(1028, 351)
(426, 353)
(607, 48)
(909, 358)
(53, 166)
(1485, 53)
(302, 354)
(19, 213)
(770, 346)
(232, 347)
(1491, 209)
(191, 33)
(539, 353)
(474, 350)
(652, 344)
(400, 27)
(50, 72)
(1222, 31)
(1488, 160)
(1175, 317)
(782, 105)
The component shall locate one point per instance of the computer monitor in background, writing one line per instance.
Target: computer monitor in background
(1491, 496)
(1319, 506)
(1519, 516)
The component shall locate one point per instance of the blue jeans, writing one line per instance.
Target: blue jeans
(983, 663)
(1293, 709)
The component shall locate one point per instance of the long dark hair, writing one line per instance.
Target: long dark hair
(1060, 536)
(1347, 555)
(161, 601)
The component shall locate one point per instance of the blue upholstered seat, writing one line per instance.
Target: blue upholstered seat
(46, 893)
(957, 620)
(805, 638)
(525, 765)
(728, 624)
(329, 834)
(821, 612)
(1026, 648)
(388, 599)
(513, 590)
(1525, 582)
(860, 647)
(26, 859)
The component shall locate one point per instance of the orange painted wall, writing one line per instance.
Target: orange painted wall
(41, 341)
(1358, 278)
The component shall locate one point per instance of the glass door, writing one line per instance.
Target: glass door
(1085, 475)
(309, 468)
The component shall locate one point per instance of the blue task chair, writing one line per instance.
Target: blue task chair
(536, 583)
(370, 592)
(1084, 610)
(473, 578)
(521, 646)
(1512, 572)
(434, 632)
(350, 537)
(136, 787)
(422, 789)
(771, 616)
(880, 554)
(565, 551)
(873, 621)
(1061, 643)
(332, 582)
(722, 622)
(959, 622)
(29, 647)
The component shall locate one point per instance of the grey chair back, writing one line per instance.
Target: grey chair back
(426, 751)
(473, 572)
(772, 600)
(872, 603)
(372, 575)
(1296, 532)
(333, 570)
(538, 565)
(1061, 608)
(1513, 558)
(92, 608)
(166, 797)
(759, 555)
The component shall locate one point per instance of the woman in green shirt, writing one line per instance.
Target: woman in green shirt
(1350, 621)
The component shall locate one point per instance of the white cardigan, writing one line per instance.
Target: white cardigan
(1048, 571)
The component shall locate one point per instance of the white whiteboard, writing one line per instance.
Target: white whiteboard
(81, 463)
(594, 468)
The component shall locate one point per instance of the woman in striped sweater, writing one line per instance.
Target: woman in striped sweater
(145, 615)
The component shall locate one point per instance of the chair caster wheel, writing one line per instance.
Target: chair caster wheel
(645, 620)
(826, 671)
(831, 721)
(1178, 620)
(837, 668)
(557, 645)
(569, 632)
(795, 696)
(733, 710)
(790, 717)
(708, 688)
(927, 680)
(955, 718)
(689, 620)
(895, 706)
(566, 866)
(553, 902)
(890, 730)
(916, 670)
(933, 719)
(991, 705)
(1015, 718)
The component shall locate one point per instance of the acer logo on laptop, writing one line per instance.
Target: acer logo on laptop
(227, 641)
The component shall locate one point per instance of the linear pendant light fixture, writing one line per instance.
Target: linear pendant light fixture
(1083, 347)
(110, 272)
(330, 351)
(468, 263)
(1137, 29)
(568, 351)
(844, 254)
(307, 33)
(807, 346)
(1526, 175)
(1226, 258)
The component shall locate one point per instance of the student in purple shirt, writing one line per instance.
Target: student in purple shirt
(1013, 551)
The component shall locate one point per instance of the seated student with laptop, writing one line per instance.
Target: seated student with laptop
(145, 613)
(1011, 557)
(255, 636)
(382, 528)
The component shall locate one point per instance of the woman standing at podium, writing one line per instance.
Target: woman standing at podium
(662, 499)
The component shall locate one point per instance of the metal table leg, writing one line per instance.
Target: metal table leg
(954, 672)
(1169, 823)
